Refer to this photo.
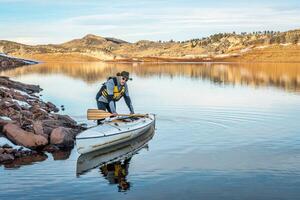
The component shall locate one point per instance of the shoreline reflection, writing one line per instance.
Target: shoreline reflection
(285, 76)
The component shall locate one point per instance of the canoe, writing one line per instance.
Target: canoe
(111, 154)
(112, 132)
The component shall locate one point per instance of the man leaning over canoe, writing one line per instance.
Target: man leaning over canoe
(112, 91)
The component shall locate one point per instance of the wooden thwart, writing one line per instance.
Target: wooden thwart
(95, 114)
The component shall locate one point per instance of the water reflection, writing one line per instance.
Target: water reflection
(116, 173)
(24, 157)
(282, 75)
(114, 161)
(26, 160)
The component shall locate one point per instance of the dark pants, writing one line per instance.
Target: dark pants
(103, 106)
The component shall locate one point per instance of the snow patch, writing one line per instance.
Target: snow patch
(4, 140)
(21, 103)
(2, 87)
(222, 56)
(261, 47)
(5, 118)
(286, 44)
(245, 50)
(24, 93)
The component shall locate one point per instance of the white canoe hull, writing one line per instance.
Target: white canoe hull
(112, 133)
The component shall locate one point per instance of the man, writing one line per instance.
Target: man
(113, 90)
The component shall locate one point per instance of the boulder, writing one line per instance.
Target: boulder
(38, 112)
(62, 137)
(24, 138)
(18, 96)
(6, 158)
(50, 124)
(51, 148)
(7, 146)
(65, 119)
(61, 155)
(3, 123)
(47, 130)
(38, 129)
(9, 150)
(27, 114)
(51, 107)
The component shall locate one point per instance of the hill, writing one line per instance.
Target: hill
(267, 46)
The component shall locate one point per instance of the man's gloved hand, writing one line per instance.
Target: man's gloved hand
(114, 114)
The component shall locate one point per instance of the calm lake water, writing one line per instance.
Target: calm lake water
(223, 131)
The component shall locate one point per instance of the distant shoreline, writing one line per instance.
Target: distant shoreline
(270, 54)
(262, 57)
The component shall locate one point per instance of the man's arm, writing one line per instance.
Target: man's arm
(129, 104)
(110, 90)
(128, 100)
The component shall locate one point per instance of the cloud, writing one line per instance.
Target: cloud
(192, 16)
(156, 24)
(198, 19)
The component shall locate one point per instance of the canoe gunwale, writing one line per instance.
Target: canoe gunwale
(83, 138)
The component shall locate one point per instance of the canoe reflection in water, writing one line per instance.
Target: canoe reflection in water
(113, 161)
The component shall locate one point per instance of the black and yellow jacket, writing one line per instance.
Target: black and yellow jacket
(112, 91)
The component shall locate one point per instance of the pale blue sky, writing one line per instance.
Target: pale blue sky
(49, 21)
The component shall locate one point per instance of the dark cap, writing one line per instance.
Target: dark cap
(124, 74)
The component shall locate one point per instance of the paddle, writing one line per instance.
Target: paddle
(95, 114)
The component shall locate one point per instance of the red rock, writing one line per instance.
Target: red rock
(51, 148)
(18, 154)
(50, 124)
(38, 112)
(27, 114)
(14, 105)
(61, 155)
(24, 138)
(2, 150)
(9, 150)
(38, 128)
(52, 107)
(6, 157)
(63, 137)
(66, 119)
(47, 130)
(19, 97)
(15, 116)
(4, 122)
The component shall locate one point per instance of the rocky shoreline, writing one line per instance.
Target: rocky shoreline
(8, 62)
(29, 122)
